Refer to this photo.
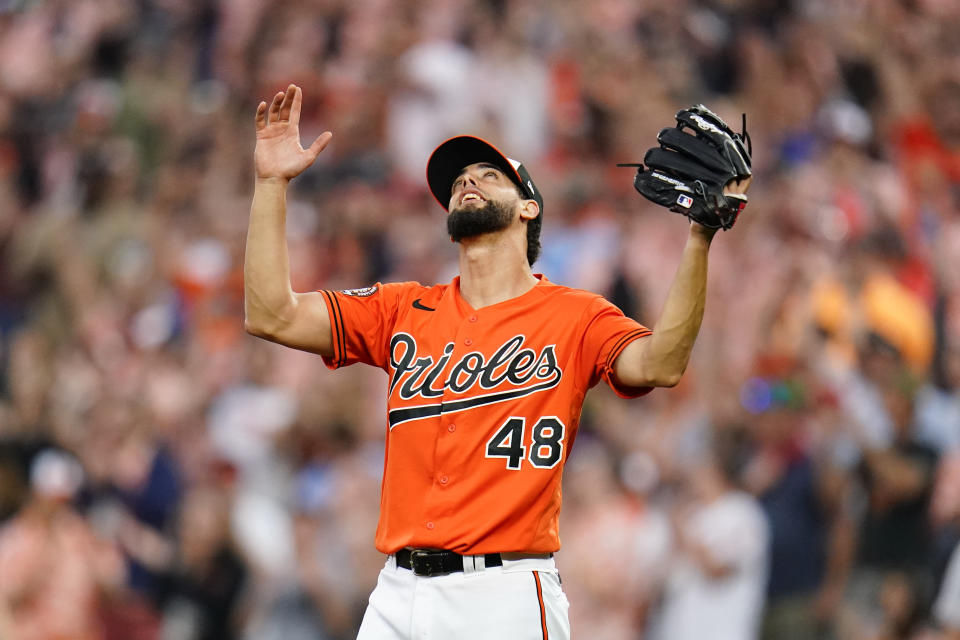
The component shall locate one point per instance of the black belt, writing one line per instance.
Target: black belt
(435, 562)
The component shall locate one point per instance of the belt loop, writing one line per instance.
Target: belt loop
(474, 564)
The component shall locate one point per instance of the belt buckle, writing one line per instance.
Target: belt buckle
(421, 563)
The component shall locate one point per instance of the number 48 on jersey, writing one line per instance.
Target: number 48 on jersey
(546, 447)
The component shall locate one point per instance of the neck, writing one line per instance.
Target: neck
(493, 268)
(41, 511)
(714, 492)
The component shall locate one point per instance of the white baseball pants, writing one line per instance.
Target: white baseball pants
(522, 600)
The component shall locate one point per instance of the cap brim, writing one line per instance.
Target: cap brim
(449, 159)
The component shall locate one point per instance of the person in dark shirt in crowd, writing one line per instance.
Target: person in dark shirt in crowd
(894, 536)
(894, 533)
(199, 593)
(800, 495)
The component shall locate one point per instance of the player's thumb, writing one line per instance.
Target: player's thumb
(320, 143)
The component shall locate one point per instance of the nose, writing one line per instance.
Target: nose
(469, 180)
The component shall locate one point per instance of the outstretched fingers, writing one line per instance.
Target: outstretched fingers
(295, 103)
(288, 99)
(285, 107)
(320, 143)
(261, 118)
(274, 113)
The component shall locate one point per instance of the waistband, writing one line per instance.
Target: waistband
(438, 562)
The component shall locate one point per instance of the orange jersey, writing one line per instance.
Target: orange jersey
(483, 405)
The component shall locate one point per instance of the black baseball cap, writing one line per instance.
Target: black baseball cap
(448, 160)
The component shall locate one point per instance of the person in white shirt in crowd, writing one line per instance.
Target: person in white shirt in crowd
(715, 588)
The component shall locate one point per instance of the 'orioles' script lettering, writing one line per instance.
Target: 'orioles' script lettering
(509, 363)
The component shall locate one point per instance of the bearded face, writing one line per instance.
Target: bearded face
(471, 221)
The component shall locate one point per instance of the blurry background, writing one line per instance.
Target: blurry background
(164, 475)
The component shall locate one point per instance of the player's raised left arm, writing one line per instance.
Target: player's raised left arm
(660, 359)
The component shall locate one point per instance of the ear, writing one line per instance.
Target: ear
(529, 209)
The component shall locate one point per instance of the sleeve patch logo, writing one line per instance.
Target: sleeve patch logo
(684, 201)
(360, 293)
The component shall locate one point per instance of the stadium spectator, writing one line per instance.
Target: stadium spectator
(57, 570)
(802, 496)
(719, 568)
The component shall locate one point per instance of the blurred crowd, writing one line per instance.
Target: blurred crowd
(165, 476)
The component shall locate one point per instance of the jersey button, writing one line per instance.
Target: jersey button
(468, 342)
(473, 318)
(444, 479)
(430, 525)
(451, 428)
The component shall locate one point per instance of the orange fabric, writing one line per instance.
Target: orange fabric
(884, 306)
(458, 378)
(901, 317)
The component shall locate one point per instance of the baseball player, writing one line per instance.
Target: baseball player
(486, 379)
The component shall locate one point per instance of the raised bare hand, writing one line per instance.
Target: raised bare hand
(278, 154)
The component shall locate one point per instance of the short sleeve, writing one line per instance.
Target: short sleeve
(606, 335)
(362, 321)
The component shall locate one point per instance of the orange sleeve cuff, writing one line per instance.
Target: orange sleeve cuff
(336, 328)
(607, 372)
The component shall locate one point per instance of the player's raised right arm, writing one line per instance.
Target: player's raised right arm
(272, 309)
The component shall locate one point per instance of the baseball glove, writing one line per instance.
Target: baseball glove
(694, 162)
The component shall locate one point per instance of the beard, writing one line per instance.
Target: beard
(469, 222)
